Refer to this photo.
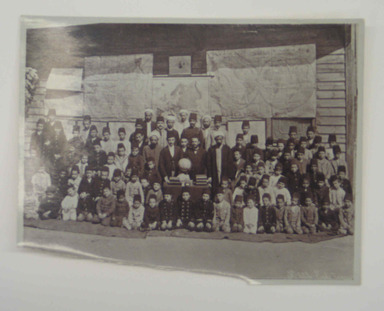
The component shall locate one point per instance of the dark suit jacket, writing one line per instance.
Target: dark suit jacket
(199, 161)
(227, 168)
(167, 163)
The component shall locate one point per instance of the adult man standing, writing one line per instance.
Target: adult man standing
(171, 119)
(206, 129)
(192, 130)
(183, 123)
(217, 128)
(219, 161)
(169, 158)
(161, 131)
(153, 149)
(149, 125)
(198, 157)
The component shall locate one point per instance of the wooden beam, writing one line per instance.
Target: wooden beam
(332, 59)
(331, 121)
(330, 103)
(327, 77)
(329, 68)
(331, 112)
(327, 129)
(331, 86)
(331, 94)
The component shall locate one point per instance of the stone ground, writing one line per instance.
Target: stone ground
(326, 260)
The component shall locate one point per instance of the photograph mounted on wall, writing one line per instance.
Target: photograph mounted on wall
(230, 148)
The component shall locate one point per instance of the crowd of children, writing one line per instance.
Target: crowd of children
(295, 186)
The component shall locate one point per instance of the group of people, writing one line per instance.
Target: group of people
(293, 185)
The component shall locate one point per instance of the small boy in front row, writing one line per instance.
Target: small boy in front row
(309, 215)
(167, 208)
(151, 215)
(121, 210)
(69, 205)
(185, 209)
(135, 214)
(292, 216)
(221, 213)
(105, 207)
(237, 217)
(267, 216)
(49, 206)
(250, 216)
(204, 212)
(328, 217)
(346, 216)
(280, 211)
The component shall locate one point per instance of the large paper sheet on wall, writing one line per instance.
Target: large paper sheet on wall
(263, 82)
(173, 94)
(118, 87)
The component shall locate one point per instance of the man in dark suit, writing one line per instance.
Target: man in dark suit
(219, 161)
(198, 157)
(169, 158)
(149, 125)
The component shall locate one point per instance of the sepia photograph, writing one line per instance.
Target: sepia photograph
(222, 147)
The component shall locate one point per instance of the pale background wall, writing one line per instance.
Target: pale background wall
(44, 282)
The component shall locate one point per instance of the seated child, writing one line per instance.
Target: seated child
(336, 193)
(86, 205)
(156, 190)
(292, 216)
(294, 177)
(117, 183)
(185, 210)
(328, 217)
(204, 212)
(276, 175)
(221, 213)
(105, 207)
(111, 164)
(121, 209)
(250, 216)
(150, 171)
(266, 188)
(280, 211)
(135, 214)
(227, 190)
(237, 217)
(309, 215)
(240, 189)
(280, 189)
(40, 182)
(134, 188)
(267, 216)
(69, 204)
(101, 182)
(146, 187)
(151, 215)
(345, 184)
(167, 209)
(75, 179)
(49, 207)
(346, 216)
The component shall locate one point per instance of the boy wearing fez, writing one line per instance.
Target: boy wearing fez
(222, 213)
(192, 130)
(151, 215)
(251, 148)
(267, 216)
(167, 208)
(135, 160)
(185, 210)
(98, 157)
(204, 212)
(240, 145)
(86, 205)
(237, 218)
(49, 207)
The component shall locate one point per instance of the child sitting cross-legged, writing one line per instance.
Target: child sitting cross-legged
(185, 210)
(309, 215)
(151, 215)
(134, 187)
(121, 210)
(250, 216)
(267, 216)
(204, 212)
(292, 216)
(117, 183)
(237, 218)
(167, 209)
(135, 214)
(346, 216)
(328, 217)
(105, 207)
(280, 211)
(222, 213)
(49, 206)
(156, 190)
(69, 204)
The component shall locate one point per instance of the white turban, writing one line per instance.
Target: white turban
(206, 117)
(183, 111)
(148, 110)
(171, 117)
(154, 133)
(218, 133)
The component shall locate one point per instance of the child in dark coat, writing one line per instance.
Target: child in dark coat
(105, 207)
(185, 210)
(49, 207)
(237, 217)
(294, 177)
(204, 212)
(267, 216)
(309, 215)
(151, 215)
(167, 209)
(328, 217)
(86, 205)
(121, 210)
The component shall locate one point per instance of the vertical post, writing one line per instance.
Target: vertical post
(351, 96)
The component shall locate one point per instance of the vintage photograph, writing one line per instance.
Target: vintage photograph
(226, 148)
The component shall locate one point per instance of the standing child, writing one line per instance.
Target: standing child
(337, 161)
(62, 183)
(117, 183)
(111, 164)
(292, 216)
(82, 164)
(321, 190)
(238, 162)
(276, 176)
(167, 209)
(267, 216)
(151, 215)
(324, 165)
(146, 187)
(105, 207)
(121, 210)
(150, 170)
(270, 164)
(240, 190)
(135, 160)
(100, 183)
(280, 212)
(69, 204)
(107, 144)
(306, 188)
(135, 214)
(185, 210)
(237, 217)
(294, 177)
(75, 179)
(309, 215)
(336, 193)
(302, 162)
(76, 141)
(156, 190)
(222, 212)
(344, 182)
(121, 159)
(251, 189)
(98, 157)
(281, 189)
(227, 190)
(134, 188)
(328, 217)
(266, 188)
(346, 216)
(204, 212)
(250, 216)
(49, 207)
(86, 205)
(257, 158)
